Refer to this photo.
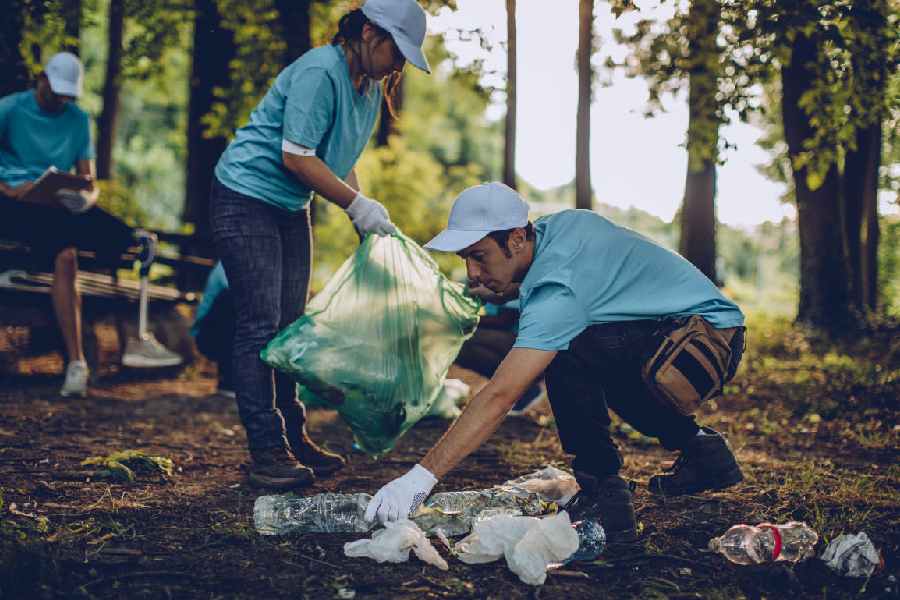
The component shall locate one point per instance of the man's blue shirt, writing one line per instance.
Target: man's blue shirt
(312, 103)
(588, 270)
(31, 139)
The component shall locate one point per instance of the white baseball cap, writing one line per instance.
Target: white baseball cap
(405, 21)
(478, 211)
(66, 74)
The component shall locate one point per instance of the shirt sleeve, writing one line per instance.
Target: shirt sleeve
(551, 318)
(309, 109)
(86, 147)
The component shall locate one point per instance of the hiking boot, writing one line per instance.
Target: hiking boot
(321, 461)
(607, 500)
(705, 463)
(77, 373)
(276, 468)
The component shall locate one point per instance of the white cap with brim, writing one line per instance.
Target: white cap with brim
(478, 211)
(405, 21)
(65, 74)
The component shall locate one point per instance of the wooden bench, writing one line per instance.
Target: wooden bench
(25, 297)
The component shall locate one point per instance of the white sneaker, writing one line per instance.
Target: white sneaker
(148, 353)
(76, 379)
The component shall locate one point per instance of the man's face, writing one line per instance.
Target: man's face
(48, 99)
(489, 266)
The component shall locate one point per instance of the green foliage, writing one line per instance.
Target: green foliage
(127, 464)
(889, 263)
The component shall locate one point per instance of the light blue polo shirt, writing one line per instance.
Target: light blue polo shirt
(312, 103)
(32, 140)
(588, 270)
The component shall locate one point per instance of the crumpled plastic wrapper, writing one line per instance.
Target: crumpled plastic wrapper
(528, 543)
(393, 543)
(852, 555)
(550, 483)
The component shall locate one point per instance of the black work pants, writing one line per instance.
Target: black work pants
(601, 370)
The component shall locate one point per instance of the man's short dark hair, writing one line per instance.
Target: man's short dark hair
(502, 237)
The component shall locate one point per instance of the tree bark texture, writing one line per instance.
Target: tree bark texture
(15, 72)
(213, 50)
(860, 202)
(698, 212)
(112, 87)
(824, 290)
(509, 138)
(293, 15)
(583, 193)
(71, 13)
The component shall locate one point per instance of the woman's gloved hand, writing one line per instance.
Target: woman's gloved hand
(370, 216)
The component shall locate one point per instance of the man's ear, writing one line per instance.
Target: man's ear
(517, 239)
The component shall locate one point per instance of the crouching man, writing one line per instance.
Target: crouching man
(613, 320)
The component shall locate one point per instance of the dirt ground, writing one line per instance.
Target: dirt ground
(63, 534)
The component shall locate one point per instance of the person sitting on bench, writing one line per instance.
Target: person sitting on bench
(43, 128)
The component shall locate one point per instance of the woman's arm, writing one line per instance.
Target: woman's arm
(316, 175)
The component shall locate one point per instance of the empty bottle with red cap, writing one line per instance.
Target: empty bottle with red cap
(747, 545)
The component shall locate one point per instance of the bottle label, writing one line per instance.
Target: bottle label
(776, 534)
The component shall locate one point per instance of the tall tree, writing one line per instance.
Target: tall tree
(509, 138)
(698, 212)
(294, 21)
(824, 289)
(112, 85)
(12, 64)
(71, 15)
(583, 194)
(213, 49)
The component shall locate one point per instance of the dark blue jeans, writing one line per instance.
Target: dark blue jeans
(601, 370)
(267, 254)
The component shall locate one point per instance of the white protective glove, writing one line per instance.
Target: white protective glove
(399, 498)
(370, 216)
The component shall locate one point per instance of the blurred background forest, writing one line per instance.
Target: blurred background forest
(168, 81)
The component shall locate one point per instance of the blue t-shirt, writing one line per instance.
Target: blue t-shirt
(216, 283)
(312, 103)
(32, 140)
(588, 270)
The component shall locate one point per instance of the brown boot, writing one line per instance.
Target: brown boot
(321, 461)
(276, 468)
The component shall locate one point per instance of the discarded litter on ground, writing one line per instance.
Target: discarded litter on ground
(746, 544)
(852, 555)
(393, 543)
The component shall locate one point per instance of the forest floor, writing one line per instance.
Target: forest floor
(814, 426)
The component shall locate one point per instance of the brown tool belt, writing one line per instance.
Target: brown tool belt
(691, 365)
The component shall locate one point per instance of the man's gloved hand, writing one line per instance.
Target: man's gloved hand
(370, 216)
(399, 498)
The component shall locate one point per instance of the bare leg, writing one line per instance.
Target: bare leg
(67, 302)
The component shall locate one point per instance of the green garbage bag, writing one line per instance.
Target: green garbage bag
(377, 341)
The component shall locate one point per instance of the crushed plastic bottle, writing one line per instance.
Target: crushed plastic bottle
(852, 555)
(591, 541)
(322, 513)
(747, 545)
(455, 512)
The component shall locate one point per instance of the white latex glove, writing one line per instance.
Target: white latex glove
(399, 498)
(370, 216)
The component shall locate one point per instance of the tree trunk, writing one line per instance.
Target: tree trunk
(12, 65)
(698, 212)
(861, 200)
(112, 85)
(293, 16)
(213, 49)
(387, 125)
(71, 14)
(824, 291)
(509, 138)
(583, 194)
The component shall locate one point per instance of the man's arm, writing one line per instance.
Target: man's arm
(87, 169)
(477, 422)
(487, 409)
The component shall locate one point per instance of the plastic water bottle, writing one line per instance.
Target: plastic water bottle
(591, 541)
(746, 544)
(322, 513)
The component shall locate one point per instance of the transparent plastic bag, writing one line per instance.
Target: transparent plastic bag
(377, 341)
